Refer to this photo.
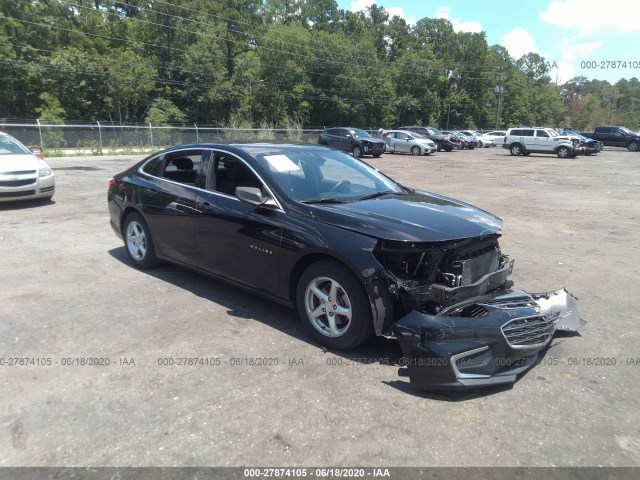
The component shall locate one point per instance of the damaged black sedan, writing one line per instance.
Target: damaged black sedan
(354, 251)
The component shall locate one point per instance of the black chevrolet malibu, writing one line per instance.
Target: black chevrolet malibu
(355, 252)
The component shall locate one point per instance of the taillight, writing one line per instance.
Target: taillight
(112, 182)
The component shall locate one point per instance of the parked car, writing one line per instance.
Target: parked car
(524, 141)
(485, 141)
(469, 141)
(355, 252)
(23, 176)
(615, 137)
(399, 141)
(456, 139)
(589, 146)
(472, 137)
(497, 136)
(442, 141)
(352, 140)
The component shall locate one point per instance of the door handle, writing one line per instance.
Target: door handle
(206, 206)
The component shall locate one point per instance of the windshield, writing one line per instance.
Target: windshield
(625, 130)
(326, 176)
(356, 132)
(552, 133)
(10, 146)
(435, 131)
(415, 135)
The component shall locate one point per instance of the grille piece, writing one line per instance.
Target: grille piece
(17, 194)
(527, 332)
(17, 183)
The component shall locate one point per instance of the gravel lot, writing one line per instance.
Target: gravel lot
(67, 293)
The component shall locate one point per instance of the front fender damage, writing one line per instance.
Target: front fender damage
(482, 341)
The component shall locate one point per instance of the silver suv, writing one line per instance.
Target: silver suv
(523, 141)
(402, 141)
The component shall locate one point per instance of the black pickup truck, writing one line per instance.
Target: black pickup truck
(615, 137)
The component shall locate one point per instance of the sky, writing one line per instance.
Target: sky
(581, 37)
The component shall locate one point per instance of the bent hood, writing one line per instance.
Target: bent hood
(414, 217)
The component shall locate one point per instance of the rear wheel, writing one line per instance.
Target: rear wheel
(357, 151)
(138, 243)
(376, 155)
(415, 150)
(516, 149)
(333, 306)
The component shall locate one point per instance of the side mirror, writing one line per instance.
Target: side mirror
(253, 196)
(348, 135)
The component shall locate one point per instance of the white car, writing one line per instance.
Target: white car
(486, 141)
(23, 176)
(497, 136)
(403, 141)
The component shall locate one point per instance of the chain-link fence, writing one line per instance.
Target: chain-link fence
(102, 137)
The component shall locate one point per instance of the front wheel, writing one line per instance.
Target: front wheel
(138, 243)
(564, 152)
(357, 151)
(415, 150)
(633, 147)
(448, 149)
(333, 306)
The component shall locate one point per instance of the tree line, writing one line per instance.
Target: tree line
(278, 63)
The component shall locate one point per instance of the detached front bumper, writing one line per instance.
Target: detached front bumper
(484, 341)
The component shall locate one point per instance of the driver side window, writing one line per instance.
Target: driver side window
(230, 172)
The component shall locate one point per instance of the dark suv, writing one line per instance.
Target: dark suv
(352, 140)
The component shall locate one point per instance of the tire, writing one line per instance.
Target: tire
(448, 149)
(340, 331)
(526, 154)
(415, 150)
(357, 151)
(138, 242)
(516, 149)
(563, 152)
(632, 147)
(376, 155)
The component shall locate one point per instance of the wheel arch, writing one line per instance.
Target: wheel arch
(310, 258)
(374, 286)
(126, 212)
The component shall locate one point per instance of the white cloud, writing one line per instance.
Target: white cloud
(563, 72)
(458, 26)
(571, 51)
(361, 5)
(519, 42)
(398, 11)
(619, 16)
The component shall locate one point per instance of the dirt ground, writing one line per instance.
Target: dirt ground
(67, 294)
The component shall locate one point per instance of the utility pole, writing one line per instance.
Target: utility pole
(498, 90)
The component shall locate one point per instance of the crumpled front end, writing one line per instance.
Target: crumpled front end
(459, 322)
(484, 341)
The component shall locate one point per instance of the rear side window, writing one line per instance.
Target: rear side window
(333, 131)
(522, 132)
(154, 166)
(182, 167)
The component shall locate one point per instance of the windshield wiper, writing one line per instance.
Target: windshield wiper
(379, 194)
(323, 200)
